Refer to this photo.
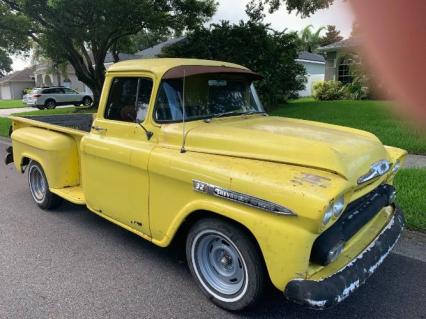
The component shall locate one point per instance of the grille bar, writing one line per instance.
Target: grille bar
(355, 216)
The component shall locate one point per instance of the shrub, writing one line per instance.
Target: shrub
(356, 90)
(27, 90)
(329, 90)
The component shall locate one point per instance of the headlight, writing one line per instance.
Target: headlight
(335, 209)
(327, 216)
(396, 167)
(338, 206)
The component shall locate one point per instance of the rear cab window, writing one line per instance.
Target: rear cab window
(129, 99)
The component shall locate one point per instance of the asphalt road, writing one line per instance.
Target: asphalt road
(69, 263)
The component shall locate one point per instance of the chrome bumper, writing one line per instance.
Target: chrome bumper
(334, 289)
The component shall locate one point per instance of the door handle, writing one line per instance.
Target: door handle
(99, 129)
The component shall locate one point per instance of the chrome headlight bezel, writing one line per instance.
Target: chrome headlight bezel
(396, 167)
(338, 206)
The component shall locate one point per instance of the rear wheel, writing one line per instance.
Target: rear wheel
(39, 187)
(226, 264)
(50, 104)
(87, 101)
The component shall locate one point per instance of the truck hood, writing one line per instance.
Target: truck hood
(345, 151)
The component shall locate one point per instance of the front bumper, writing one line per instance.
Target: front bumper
(334, 289)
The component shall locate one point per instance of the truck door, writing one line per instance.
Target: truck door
(115, 155)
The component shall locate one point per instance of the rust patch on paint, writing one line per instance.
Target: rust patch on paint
(312, 179)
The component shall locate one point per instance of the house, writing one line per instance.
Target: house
(315, 70)
(12, 86)
(339, 57)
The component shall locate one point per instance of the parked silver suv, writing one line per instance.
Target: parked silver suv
(49, 98)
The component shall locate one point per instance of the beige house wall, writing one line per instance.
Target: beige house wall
(45, 75)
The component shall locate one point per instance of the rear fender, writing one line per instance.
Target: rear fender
(57, 153)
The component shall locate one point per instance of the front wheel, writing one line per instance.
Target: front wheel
(39, 187)
(226, 264)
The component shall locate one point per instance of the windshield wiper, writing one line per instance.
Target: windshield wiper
(254, 112)
(215, 116)
(226, 114)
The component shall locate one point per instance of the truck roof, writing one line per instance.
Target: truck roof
(160, 66)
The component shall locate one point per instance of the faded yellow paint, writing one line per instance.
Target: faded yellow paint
(146, 186)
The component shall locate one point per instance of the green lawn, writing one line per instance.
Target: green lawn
(411, 187)
(11, 104)
(5, 122)
(373, 116)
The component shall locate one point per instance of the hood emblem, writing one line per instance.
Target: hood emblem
(377, 169)
(241, 198)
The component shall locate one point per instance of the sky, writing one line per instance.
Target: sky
(339, 14)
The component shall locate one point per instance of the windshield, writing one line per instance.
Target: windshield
(206, 96)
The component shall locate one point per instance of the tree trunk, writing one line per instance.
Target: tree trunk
(96, 90)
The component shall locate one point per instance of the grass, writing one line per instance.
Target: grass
(11, 104)
(411, 186)
(5, 122)
(373, 116)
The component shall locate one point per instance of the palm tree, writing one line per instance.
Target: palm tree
(309, 40)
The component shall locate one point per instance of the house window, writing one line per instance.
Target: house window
(344, 71)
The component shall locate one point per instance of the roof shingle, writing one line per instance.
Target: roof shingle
(23, 75)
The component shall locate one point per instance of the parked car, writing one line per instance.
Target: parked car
(26, 96)
(184, 149)
(49, 98)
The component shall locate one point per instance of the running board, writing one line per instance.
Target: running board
(74, 195)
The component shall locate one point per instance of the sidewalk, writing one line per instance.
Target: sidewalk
(7, 112)
(413, 245)
(415, 161)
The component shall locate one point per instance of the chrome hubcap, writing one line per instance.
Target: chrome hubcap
(38, 184)
(219, 264)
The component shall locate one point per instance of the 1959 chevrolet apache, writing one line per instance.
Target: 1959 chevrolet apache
(183, 146)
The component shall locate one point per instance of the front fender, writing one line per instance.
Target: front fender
(56, 152)
(284, 246)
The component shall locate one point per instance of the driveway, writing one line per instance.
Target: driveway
(70, 263)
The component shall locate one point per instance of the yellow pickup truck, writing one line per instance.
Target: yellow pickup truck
(183, 148)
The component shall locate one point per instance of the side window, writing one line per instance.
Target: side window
(69, 91)
(168, 106)
(128, 99)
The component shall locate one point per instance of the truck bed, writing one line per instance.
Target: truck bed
(35, 133)
(76, 125)
(80, 122)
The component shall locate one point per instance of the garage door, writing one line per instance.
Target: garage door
(5, 92)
